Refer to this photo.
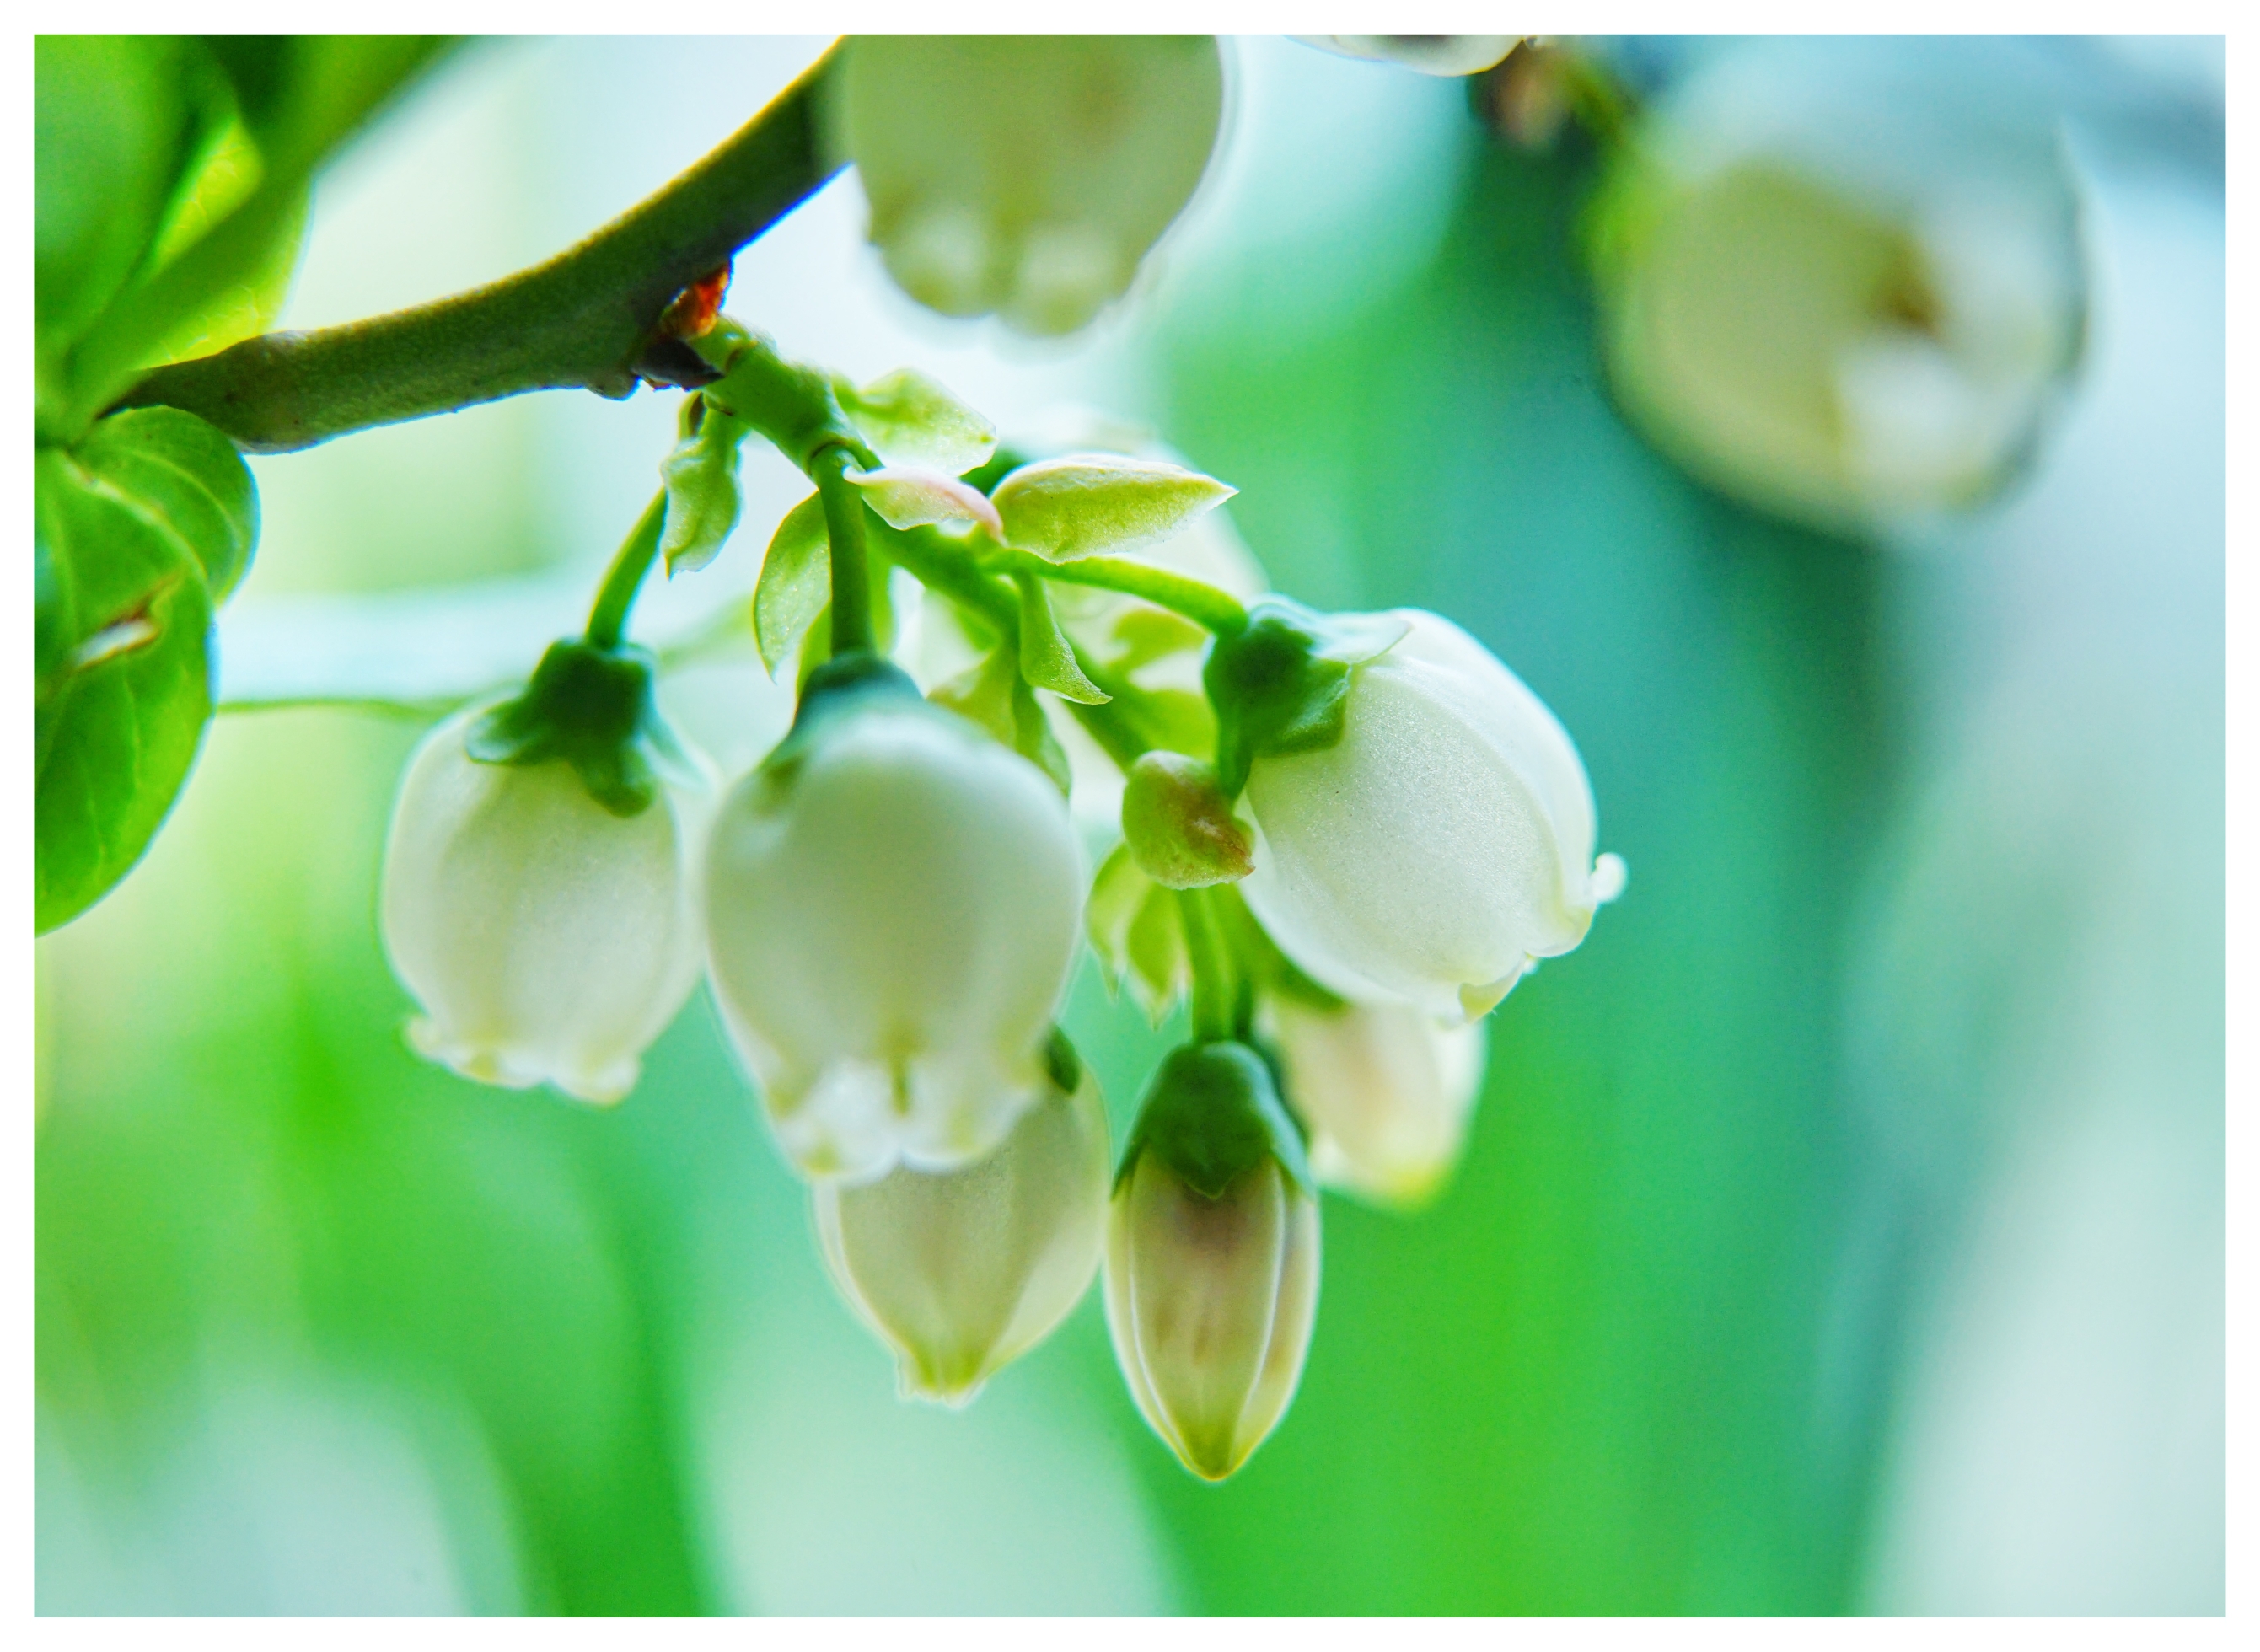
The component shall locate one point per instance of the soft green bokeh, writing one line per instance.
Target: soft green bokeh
(321, 1327)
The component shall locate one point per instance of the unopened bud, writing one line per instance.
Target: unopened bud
(1213, 1257)
(1180, 829)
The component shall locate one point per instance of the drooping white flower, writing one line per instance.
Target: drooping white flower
(893, 903)
(1843, 279)
(1444, 54)
(961, 1271)
(1385, 1088)
(1212, 1259)
(548, 939)
(1026, 175)
(1442, 845)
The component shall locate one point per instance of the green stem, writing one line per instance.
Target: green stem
(1203, 603)
(1215, 995)
(851, 568)
(608, 616)
(577, 322)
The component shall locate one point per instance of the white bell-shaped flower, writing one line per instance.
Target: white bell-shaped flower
(1441, 55)
(1442, 845)
(1843, 279)
(961, 1271)
(1026, 175)
(893, 905)
(548, 939)
(1385, 1088)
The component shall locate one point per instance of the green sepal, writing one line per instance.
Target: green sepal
(995, 694)
(1062, 1062)
(1213, 1116)
(793, 406)
(703, 496)
(1047, 658)
(1137, 929)
(1283, 684)
(839, 686)
(593, 708)
(796, 583)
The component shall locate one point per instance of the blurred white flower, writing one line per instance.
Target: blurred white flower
(1442, 846)
(961, 1271)
(1210, 1295)
(1844, 280)
(548, 939)
(893, 903)
(1025, 175)
(1385, 1090)
(1428, 53)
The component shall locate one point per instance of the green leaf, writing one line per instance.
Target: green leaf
(912, 421)
(299, 103)
(1046, 660)
(796, 583)
(703, 496)
(1136, 929)
(115, 124)
(189, 475)
(120, 719)
(1088, 505)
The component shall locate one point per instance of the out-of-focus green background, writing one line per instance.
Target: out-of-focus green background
(1841, 1226)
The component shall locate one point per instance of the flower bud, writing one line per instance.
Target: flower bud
(1385, 1090)
(1842, 279)
(1025, 175)
(1213, 1257)
(963, 1271)
(1180, 830)
(893, 903)
(1441, 844)
(547, 937)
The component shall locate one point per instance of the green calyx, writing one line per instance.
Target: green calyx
(590, 706)
(1282, 685)
(1212, 1115)
(843, 686)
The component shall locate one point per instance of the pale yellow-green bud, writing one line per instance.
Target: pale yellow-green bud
(1180, 830)
(1212, 1258)
(963, 1271)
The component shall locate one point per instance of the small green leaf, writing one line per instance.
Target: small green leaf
(796, 583)
(190, 476)
(1088, 504)
(1180, 830)
(1137, 931)
(993, 694)
(1116, 893)
(921, 499)
(1047, 658)
(120, 715)
(703, 496)
(912, 421)
(1161, 971)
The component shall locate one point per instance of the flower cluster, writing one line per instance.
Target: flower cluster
(1343, 839)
